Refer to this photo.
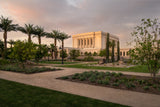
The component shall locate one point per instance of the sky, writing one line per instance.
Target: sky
(118, 17)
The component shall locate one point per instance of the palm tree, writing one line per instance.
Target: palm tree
(55, 35)
(27, 29)
(39, 32)
(62, 37)
(11, 42)
(6, 26)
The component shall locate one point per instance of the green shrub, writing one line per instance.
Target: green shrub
(121, 81)
(96, 72)
(120, 73)
(154, 86)
(116, 84)
(89, 58)
(117, 80)
(74, 77)
(107, 77)
(130, 85)
(100, 76)
(141, 82)
(4, 62)
(113, 73)
(65, 77)
(105, 82)
(77, 74)
(146, 87)
(82, 78)
(149, 84)
(107, 73)
(99, 82)
(92, 79)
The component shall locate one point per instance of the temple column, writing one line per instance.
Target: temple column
(81, 43)
(78, 43)
(87, 42)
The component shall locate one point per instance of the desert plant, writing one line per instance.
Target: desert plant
(146, 87)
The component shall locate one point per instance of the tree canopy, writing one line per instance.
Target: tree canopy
(147, 39)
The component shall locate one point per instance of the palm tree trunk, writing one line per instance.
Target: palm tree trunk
(5, 40)
(39, 40)
(5, 44)
(55, 50)
(62, 50)
(29, 38)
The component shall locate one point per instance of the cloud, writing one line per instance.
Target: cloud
(78, 16)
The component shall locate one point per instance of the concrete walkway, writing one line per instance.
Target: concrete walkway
(48, 80)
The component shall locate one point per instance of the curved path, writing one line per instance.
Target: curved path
(48, 80)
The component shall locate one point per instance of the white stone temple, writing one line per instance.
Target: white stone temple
(92, 41)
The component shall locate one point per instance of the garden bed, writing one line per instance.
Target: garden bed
(29, 69)
(117, 80)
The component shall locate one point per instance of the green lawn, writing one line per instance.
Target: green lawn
(14, 94)
(138, 68)
(57, 62)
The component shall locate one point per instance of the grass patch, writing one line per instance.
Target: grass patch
(28, 69)
(57, 62)
(138, 68)
(14, 94)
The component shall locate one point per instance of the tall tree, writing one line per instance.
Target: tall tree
(113, 45)
(55, 34)
(118, 51)
(147, 51)
(39, 32)
(6, 25)
(62, 37)
(107, 48)
(27, 29)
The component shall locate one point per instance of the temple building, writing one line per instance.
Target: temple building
(92, 41)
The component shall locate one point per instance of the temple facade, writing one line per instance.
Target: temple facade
(92, 41)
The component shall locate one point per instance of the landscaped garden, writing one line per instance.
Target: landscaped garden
(6, 65)
(137, 68)
(30, 69)
(18, 95)
(117, 80)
